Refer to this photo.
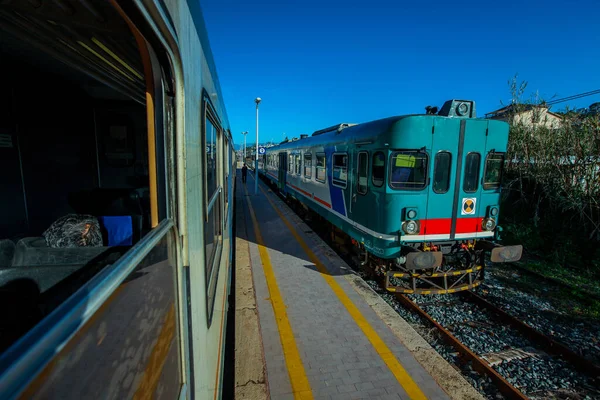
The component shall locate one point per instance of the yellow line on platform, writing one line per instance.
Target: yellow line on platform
(296, 372)
(403, 377)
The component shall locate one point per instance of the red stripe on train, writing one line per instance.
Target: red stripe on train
(326, 204)
(437, 226)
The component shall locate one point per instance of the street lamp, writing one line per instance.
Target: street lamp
(244, 159)
(257, 101)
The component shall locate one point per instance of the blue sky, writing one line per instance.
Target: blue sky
(319, 63)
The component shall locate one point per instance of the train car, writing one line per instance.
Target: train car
(417, 196)
(117, 172)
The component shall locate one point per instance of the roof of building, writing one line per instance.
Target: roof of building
(520, 108)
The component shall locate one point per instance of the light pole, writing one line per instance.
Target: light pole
(244, 158)
(257, 101)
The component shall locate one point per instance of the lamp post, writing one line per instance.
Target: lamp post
(244, 158)
(257, 101)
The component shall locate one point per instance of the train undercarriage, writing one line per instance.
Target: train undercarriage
(423, 268)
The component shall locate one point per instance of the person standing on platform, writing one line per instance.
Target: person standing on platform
(244, 173)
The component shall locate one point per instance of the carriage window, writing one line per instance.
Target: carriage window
(363, 177)
(211, 162)
(212, 225)
(493, 171)
(307, 165)
(471, 179)
(408, 170)
(291, 166)
(320, 168)
(340, 170)
(441, 172)
(298, 164)
(378, 169)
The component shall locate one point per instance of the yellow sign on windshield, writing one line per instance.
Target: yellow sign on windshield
(405, 160)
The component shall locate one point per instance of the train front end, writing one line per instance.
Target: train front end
(445, 175)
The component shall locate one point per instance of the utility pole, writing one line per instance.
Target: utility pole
(257, 101)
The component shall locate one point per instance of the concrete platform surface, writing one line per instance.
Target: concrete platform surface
(307, 327)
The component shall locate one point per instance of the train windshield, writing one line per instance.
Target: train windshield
(408, 170)
(493, 171)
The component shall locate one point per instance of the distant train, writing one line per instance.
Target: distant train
(416, 196)
(112, 111)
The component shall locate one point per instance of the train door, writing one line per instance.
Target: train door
(456, 171)
(442, 172)
(282, 171)
(468, 205)
(360, 187)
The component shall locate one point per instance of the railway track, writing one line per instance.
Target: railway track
(517, 350)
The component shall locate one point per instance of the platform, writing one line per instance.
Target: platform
(307, 327)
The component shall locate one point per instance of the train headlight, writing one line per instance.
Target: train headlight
(489, 224)
(494, 211)
(411, 227)
(411, 214)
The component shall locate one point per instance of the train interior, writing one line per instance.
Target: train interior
(73, 142)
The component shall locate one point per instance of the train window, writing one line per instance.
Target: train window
(291, 166)
(378, 172)
(493, 171)
(441, 172)
(307, 165)
(298, 164)
(408, 170)
(320, 169)
(363, 172)
(212, 224)
(340, 170)
(471, 179)
(227, 168)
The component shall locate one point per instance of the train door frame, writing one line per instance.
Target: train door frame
(282, 171)
(441, 205)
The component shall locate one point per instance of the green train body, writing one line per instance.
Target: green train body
(416, 193)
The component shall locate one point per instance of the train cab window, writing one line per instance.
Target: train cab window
(320, 168)
(441, 172)
(363, 175)
(471, 178)
(307, 165)
(493, 171)
(378, 170)
(340, 170)
(408, 170)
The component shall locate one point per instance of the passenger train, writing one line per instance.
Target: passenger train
(111, 113)
(416, 196)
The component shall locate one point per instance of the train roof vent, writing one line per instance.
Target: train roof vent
(458, 108)
(338, 128)
(303, 136)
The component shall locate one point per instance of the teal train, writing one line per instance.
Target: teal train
(415, 196)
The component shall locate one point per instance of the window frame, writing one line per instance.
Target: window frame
(435, 165)
(304, 156)
(485, 169)
(345, 154)
(384, 168)
(324, 167)
(425, 177)
(212, 262)
(366, 153)
(477, 178)
(298, 164)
